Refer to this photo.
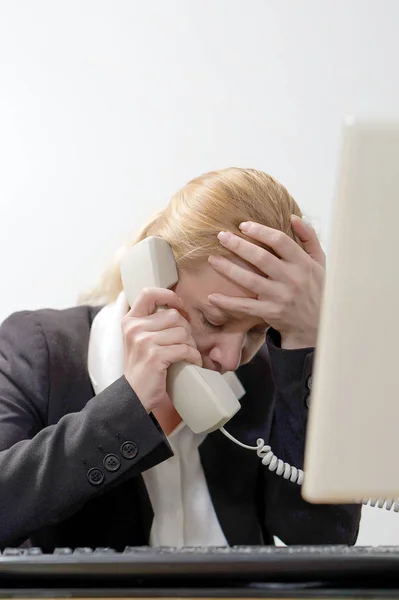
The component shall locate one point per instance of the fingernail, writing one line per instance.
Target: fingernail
(244, 226)
(213, 259)
(306, 220)
(224, 237)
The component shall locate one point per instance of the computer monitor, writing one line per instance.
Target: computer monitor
(352, 446)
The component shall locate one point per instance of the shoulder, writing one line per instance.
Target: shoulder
(66, 329)
(47, 350)
(55, 329)
(43, 366)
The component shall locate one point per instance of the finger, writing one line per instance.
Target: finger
(181, 352)
(280, 242)
(246, 306)
(258, 284)
(151, 298)
(269, 311)
(309, 239)
(260, 258)
(170, 337)
(164, 319)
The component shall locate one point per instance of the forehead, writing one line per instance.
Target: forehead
(204, 280)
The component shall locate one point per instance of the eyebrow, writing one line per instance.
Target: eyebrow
(217, 312)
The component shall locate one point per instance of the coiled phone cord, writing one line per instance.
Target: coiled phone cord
(273, 463)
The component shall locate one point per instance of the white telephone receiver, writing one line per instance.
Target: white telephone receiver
(204, 399)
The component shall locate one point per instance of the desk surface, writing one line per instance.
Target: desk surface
(327, 594)
(343, 597)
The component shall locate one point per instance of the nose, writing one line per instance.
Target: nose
(226, 354)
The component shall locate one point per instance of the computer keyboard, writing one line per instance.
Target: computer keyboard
(200, 551)
(105, 566)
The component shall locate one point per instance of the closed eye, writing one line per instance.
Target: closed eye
(208, 324)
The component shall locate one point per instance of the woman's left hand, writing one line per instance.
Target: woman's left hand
(288, 287)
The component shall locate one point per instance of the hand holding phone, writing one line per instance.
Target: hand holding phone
(153, 341)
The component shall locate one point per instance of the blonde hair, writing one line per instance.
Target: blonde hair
(217, 201)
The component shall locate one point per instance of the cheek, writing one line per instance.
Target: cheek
(203, 339)
(251, 348)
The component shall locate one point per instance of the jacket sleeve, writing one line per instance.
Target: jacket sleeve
(48, 473)
(287, 515)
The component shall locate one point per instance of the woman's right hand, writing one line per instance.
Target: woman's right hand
(153, 341)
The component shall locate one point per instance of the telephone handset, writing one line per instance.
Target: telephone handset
(204, 399)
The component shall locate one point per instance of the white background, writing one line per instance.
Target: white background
(108, 107)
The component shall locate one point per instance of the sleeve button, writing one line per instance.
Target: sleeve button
(95, 476)
(129, 450)
(111, 462)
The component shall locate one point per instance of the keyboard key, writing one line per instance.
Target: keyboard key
(135, 549)
(62, 551)
(34, 551)
(13, 551)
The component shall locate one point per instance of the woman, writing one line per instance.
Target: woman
(92, 452)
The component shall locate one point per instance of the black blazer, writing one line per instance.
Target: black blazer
(58, 486)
